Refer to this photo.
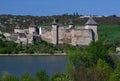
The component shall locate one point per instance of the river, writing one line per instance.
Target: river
(17, 65)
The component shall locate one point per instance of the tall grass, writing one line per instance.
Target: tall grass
(109, 32)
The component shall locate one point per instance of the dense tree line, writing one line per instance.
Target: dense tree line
(7, 47)
(94, 63)
(39, 76)
(39, 46)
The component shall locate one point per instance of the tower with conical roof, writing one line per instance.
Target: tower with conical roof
(54, 32)
(32, 28)
(71, 24)
(17, 29)
(91, 24)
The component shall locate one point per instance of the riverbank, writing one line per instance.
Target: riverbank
(35, 54)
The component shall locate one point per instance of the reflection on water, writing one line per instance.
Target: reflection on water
(16, 65)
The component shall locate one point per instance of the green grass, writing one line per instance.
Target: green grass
(109, 32)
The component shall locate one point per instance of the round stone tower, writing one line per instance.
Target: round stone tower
(54, 32)
(71, 24)
(91, 24)
(32, 28)
(17, 29)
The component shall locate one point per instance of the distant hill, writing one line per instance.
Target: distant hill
(10, 21)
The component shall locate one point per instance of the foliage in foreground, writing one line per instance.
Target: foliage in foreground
(39, 76)
(94, 63)
(88, 56)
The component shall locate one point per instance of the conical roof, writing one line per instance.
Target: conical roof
(54, 22)
(91, 21)
(71, 22)
(17, 26)
(32, 24)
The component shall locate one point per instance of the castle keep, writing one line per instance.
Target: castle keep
(81, 35)
(24, 36)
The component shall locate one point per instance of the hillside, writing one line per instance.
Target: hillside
(8, 22)
(108, 29)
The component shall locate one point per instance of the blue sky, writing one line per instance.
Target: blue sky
(56, 7)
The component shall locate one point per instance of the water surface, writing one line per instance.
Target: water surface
(17, 65)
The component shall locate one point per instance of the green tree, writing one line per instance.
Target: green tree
(76, 57)
(2, 43)
(41, 76)
(61, 77)
(2, 36)
(102, 64)
(88, 56)
(8, 77)
(115, 76)
(97, 50)
(90, 74)
(26, 77)
(80, 74)
(97, 74)
(69, 68)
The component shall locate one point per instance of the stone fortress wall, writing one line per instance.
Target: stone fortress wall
(71, 35)
(81, 35)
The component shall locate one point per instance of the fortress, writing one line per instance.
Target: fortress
(56, 34)
(80, 36)
(24, 36)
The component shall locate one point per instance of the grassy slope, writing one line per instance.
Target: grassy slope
(109, 32)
